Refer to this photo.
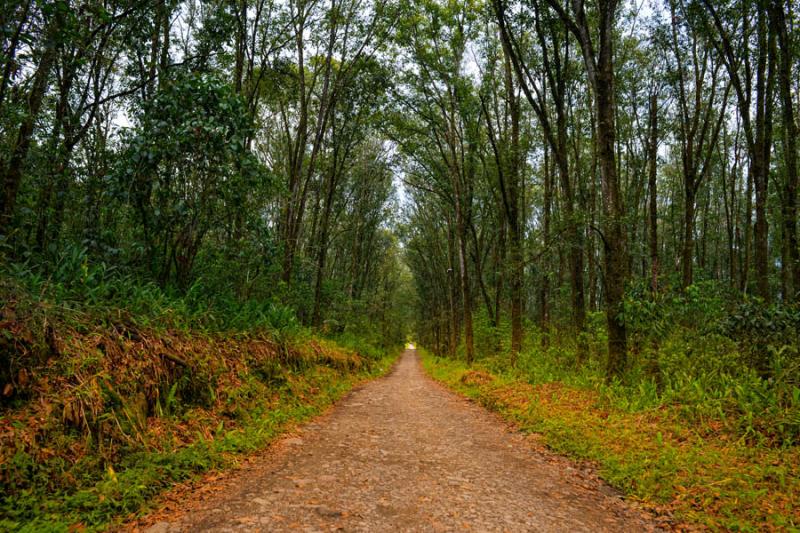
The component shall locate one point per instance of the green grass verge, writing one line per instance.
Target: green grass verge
(104, 494)
(700, 473)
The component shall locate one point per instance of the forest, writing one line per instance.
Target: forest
(591, 206)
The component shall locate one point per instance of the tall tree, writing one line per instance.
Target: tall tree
(503, 131)
(790, 252)
(701, 112)
(596, 37)
(551, 83)
(737, 41)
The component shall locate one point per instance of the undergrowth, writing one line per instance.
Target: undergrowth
(112, 390)
(704, 419)
(663, 450)
(75, 289)
(718, 360)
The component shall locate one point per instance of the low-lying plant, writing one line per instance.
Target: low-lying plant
(733, 363)
(101, 408)
(695, 468)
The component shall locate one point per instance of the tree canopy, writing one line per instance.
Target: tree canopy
(479, 175)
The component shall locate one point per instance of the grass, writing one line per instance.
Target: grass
(94, 493)
(702, 473)
(129, 487)
(103, 407)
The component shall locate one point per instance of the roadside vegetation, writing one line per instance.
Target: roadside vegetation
(105, 406)
(704, 424)
(602, 233)
(197, 244)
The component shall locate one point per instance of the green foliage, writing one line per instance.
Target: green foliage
(186, 167)
(124, 407)
(692, 467)
(78, 287)
(761, 332)
(698, 350)
(700, 306)
(488, 337)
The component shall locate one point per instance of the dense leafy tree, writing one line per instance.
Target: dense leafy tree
(182, 167)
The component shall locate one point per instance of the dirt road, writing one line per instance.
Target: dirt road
(402, 453)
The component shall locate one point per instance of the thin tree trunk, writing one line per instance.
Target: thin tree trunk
(515, 225)
(466, 289)
(760, 159)
(13, 170)
(748, 234)
(652, 192)
(790, 263)
(544, 287)
(687, 251)
(500, 256)
(451, 274)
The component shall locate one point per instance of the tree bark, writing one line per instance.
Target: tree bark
(687, 251)
(453, 290)
(790, 263)
(598, 59)
(466, 289)
(759, 163)
(544, 287)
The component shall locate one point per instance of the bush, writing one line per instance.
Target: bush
(701, 349)
(761, 331)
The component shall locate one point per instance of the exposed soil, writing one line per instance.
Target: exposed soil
(403, 453)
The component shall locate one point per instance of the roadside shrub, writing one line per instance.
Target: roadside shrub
(720, 362)
(761, 331)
